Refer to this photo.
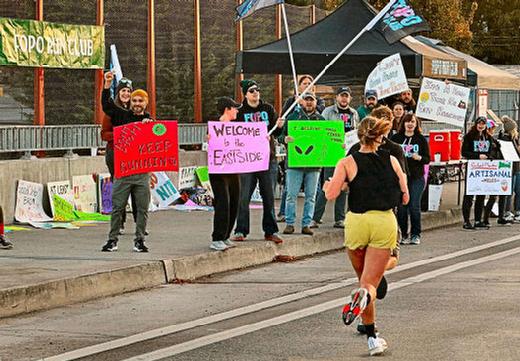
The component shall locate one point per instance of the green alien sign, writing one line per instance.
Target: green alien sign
(316, 143)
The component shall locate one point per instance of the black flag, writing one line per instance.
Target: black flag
(401, 20)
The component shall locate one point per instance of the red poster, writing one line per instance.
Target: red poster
(146, 147)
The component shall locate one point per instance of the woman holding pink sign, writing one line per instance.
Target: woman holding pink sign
(226, 189)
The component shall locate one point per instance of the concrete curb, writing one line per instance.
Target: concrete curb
(30, 298)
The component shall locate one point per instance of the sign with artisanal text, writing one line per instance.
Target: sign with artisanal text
(41, 43)
(145, 147)
(237, 147)
(489, 177)
(29, 207)
(316, 143)
(443, 102)
(388, 77)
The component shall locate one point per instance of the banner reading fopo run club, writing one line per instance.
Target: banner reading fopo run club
(41, 43)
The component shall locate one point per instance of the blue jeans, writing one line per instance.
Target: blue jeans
(293, 183)
(321, 201)
(413, 208)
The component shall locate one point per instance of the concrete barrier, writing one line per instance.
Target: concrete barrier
(44, 170)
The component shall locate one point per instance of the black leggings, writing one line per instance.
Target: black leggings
(466, 207)
(226, 191)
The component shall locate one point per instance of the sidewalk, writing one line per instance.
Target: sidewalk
(51, 268)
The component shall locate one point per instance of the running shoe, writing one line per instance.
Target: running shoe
(4, 243)
(314, 224)
(358, 302)
(339, 224)
(468, 226)
(218, 246)
(404, 240)
(239, 237)
(481, 225)
(376, 346)
(503, 222)
(110, 246)
(415, 240)
(229, 243)
(139, 246)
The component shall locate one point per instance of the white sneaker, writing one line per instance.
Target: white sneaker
(416, 240)
(218, 246)
(314, 224)
(376, 346)
(509, 217)
(404, 240)
(229, 243)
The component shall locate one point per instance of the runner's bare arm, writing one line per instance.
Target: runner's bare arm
(402, 179)
(333, 187)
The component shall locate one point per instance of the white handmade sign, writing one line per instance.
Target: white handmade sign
(446, 103)
(351, 138)
(489, 177)
(85, 193)
(187, 177)
(29, 207)
(163, 191)
(388, 77)
(508, 151)
(61, 188)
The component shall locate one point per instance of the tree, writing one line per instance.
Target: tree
(497, 28)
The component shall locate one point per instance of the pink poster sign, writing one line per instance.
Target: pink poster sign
(237, 147)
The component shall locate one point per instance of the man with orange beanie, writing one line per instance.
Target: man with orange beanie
(137, 185)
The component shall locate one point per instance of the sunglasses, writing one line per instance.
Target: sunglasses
(252, 90)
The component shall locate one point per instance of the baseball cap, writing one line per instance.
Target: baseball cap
(371, 93)
(226, 102)
(343, 89)
(308, 95)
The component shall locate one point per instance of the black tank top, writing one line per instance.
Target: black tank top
(376, 185)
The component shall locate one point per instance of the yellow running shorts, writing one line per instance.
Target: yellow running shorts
(377, 229)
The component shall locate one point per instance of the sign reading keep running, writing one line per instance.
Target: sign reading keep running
(41, 43)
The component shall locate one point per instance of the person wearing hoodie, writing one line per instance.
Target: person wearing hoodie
(417, 153)
(341, 110)
(255, 110)
(510, 134)
(295, 177)
(476, 144)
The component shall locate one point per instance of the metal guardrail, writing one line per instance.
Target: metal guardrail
(69, 137)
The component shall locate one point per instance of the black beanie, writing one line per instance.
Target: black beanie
(246, 84)
(124, 83)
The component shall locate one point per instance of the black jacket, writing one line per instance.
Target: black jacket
(264, 112)
(474, 144)
(118, 115)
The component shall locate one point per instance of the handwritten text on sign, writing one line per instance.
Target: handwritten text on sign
(316, 143)
(446, 103)
(388, 77)
(236, 147)
(145, 147)
(489, 177)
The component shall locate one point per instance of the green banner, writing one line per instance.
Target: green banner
(63, 210)
(40, 43)
(316, 143)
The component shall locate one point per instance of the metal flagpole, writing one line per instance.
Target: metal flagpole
(289, 46)
(369, 26)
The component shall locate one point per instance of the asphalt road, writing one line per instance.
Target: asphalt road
(454, 297)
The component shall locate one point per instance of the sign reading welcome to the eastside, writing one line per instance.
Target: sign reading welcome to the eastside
(237, 147)
(41, 43)
(146, 147)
